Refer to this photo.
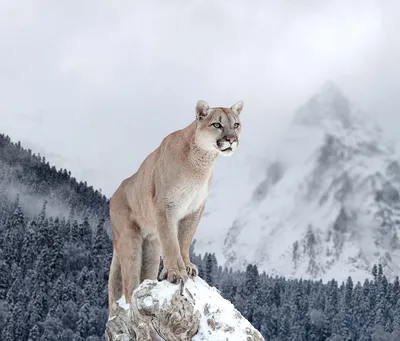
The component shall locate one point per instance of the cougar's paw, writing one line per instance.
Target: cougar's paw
(174, 275)
(191, 270)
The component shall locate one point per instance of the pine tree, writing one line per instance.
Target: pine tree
(375, 271)
(16, 286)
(358, 307)
(396, 291)
(14, 237)
(42, 269)
(43, 215)
(55, 297)
(18, 315)
(260, 310)
(210, 266)
(7, 333)
(28, 254)
(56, 253)
(66, 335)
(83, 325)
(101, 246)
(74, 234)
(48, 335)
(348, 293)
(85, 233)
(225, 284)
(345, 316)
(331, 308)
(89, 287)
(69, 291)
(201, 268)
(77, 337)
(296, 314)
(284, 322)
(396, 318)
(380, 270)
(4, 279)
(37, 307)
(269, 324)
(70, 317)
(381, 312)
(34, 334)
(248, 291)
(40, 231)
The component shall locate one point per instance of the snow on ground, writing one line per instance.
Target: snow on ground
(219, 319)
(228, 322)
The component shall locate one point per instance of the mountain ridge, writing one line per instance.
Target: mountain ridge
(322, 217)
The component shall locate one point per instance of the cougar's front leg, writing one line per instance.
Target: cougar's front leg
(187, 229)
(174, 266)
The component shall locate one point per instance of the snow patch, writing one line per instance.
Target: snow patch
(122, 303)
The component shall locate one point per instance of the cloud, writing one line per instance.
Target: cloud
(110, 79)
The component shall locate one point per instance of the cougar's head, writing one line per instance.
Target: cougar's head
(218, 129)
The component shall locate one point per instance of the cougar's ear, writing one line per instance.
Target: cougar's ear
(202, 109)
(237, 108)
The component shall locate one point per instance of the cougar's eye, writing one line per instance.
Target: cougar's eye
(217, 125)
(236, 125)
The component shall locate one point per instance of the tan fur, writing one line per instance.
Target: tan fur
(156, 211)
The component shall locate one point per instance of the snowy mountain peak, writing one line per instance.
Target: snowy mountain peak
(328, 106)
(329, 205)
(329, 116)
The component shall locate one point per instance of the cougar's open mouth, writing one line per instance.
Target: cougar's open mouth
(226, 149)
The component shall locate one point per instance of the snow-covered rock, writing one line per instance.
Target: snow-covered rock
(165, 311)
(329, 205)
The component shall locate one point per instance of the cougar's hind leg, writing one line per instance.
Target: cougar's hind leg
(150, 258)
(114, 282)
(130, 255)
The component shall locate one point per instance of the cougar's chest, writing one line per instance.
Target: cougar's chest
(190, 198)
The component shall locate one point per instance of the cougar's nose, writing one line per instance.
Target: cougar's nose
(231, 139)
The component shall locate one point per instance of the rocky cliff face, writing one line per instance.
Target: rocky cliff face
(329, 205)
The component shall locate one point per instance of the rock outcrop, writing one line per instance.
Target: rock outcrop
(161, 311)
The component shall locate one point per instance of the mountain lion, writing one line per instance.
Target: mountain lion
(156, 210)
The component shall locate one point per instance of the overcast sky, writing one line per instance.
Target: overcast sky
(95, 85)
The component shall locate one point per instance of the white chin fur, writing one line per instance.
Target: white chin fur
(227, 153)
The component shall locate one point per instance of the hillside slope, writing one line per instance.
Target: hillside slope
(34, 180)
